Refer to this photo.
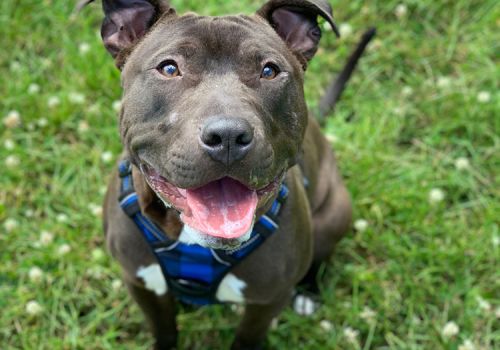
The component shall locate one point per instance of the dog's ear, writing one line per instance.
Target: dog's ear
(296, 23)
(126, 21)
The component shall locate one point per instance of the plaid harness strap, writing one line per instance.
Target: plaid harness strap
(193, 273)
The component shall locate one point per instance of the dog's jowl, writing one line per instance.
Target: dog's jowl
(226, 191)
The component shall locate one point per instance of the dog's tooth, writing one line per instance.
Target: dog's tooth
(167, 204)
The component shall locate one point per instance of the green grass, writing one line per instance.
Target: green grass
(409, 113)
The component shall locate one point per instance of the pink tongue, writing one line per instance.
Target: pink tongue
(223, 208)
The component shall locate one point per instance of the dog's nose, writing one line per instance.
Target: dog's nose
(226, 139)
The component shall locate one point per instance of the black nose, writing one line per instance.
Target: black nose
(226, 139)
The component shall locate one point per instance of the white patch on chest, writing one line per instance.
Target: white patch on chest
(191, 236)
(231, 289)
(153, 279)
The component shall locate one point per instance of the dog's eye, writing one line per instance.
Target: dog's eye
(269, 72)
(169, 69)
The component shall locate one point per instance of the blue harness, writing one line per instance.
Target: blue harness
(193, 273)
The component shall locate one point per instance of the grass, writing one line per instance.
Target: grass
(425, 95)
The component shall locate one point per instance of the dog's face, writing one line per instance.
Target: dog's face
(214, 113)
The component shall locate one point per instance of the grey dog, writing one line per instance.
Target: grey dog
(214, 127)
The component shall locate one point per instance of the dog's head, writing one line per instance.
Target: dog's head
(213, 108)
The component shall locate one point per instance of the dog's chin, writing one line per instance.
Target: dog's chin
(191, 236)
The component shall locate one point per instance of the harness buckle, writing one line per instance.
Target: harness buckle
(189, 288)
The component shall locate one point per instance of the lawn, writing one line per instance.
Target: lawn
(417, 134)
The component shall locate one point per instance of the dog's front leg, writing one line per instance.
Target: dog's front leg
(160, 312)
(251, 333)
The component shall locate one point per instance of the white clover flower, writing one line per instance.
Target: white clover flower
(116, 284)
(367, 314)
(462, 163)
(15, 66)
(365, 10)
(443, 82)
(83, 126)
(33, 308)
(97, 254)
(95, 209)
(326, 325)
(12, 161)
(347, 304)
(53, 101)
(407, 91)
(375, 45)
(46, 62)
(436, 195)
(117, 105)
(76, 98)
(33, 89)
(84, 48)
(46, 238)
(484, 97)
(95, 272)
(467, 345)
(495, 240)
(10, 225)
(351, 335)
(63, 249)
(326, 26)
(42, 122)
(345, 29)
(275, 323)
(12, 119)
(35, 274)
(29, 213)
(103, 190)
(303, 305)
(9, 144)
(95, 108)
(360, 225)
(332, 138)
(399, 110)
(483, 304)
(497, 312)
(450, 329)
(401, 11)
(107, 157)
(237, 309)
(62, 218)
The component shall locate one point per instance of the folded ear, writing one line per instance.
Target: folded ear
(296, 23)
(126, 21)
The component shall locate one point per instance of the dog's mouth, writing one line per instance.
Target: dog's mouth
(224, 208)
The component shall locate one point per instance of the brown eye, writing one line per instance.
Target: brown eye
(269, 72)
(169, 69)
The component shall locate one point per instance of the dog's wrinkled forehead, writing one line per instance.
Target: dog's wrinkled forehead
(212, 39)
(294, 23)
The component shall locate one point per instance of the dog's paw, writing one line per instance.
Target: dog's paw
(305, 305)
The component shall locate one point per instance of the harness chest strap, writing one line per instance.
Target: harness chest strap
(193, 273)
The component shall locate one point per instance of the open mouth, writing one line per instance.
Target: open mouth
(224, 208)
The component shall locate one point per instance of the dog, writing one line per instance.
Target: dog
(221, 159)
